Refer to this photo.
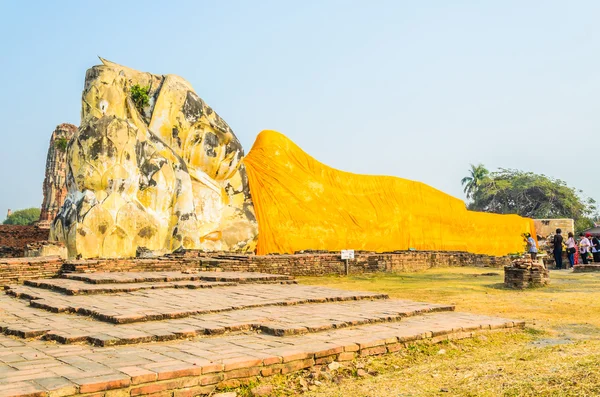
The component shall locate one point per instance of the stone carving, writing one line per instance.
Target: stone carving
(55, 180)
(161, 174)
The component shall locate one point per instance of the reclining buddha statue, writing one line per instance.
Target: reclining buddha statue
(153, 167)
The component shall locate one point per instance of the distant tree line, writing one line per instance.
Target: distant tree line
(509, 191)
(23, 217)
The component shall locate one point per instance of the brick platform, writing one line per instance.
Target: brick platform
(586, 268)
(242, 327)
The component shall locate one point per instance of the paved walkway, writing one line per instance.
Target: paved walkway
(236, 333)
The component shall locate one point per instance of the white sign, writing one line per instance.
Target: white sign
(347, 254)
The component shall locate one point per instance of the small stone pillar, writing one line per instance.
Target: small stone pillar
(524, 273)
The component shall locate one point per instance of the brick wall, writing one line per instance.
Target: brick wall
(295, 265)
(16, 270)
(322, 264)
(19, 269)
(16, 237)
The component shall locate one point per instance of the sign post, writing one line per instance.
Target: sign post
(346, 255)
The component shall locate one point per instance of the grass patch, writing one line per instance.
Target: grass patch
(555, 355)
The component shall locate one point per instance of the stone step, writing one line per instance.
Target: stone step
(199, 366)
(161, 304)
(154, 277)
(25, 322)
(75, 287)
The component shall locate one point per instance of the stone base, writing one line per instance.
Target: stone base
(586, 268)
(525, 274)
(46, 248)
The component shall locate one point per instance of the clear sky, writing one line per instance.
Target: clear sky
(416, 89)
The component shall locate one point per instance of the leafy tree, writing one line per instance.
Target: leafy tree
(531, 195)
(477, 176)
(23, 217)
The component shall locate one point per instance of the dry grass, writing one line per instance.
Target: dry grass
(557, 355)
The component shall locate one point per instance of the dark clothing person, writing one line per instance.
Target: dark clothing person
(596, 249)
(558, 241)
(558, 259)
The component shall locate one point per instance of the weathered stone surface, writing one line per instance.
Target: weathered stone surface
(55, 181)
(162, 175)
(46, 248)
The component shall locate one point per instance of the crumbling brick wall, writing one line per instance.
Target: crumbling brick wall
(14, 238)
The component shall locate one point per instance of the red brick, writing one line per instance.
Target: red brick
(296, 365)
(373, 351)
(329, 352)
(272, 370)
(194, 391)
(394, 347)
(139, 375)
(242, 373)
(272, 360)
(167, 385)
(346, 356)
(231, 383)
(178, 371)
(210, 379)
(371, 343)
(241, 362)
(212, 367)
(294, 355)
(101, 383)
(167, 393)
(353, 347)
(325, 360)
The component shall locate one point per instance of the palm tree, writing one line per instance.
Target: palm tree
(477, 174)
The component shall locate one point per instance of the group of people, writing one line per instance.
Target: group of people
(586, 248)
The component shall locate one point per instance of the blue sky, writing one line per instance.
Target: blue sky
(413, 89)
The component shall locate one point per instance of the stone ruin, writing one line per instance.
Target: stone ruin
(55, 180)
(524, 273)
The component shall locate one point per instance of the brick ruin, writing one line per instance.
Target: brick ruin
(55, 180)
(524, 273)
(14, 239)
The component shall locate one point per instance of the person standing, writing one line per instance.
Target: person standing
(532, 246)
(571, 249)
(584, 248)
(557, 250)
(596, 249)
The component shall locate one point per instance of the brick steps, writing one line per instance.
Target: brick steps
(245, 326)
(73, 287)
(25, 322)
(155, 277)
(200, 366)
(153, 305)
